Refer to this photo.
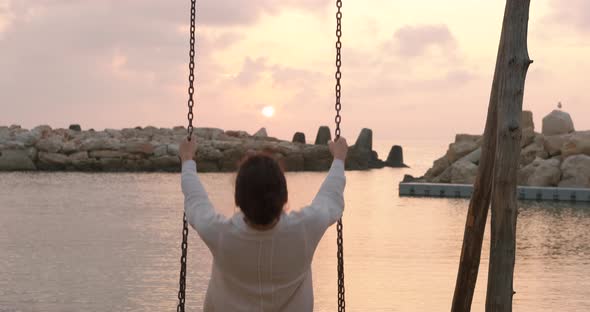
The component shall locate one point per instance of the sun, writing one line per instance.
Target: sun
(268, 111)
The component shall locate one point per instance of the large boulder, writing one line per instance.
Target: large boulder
(294, 162)
(70, 147)
(139, 147)
(114, 133)
(463, 172)
(15, 160)
(577, 143)
(554, 143)
(126, 133)
(78, 157)
(91, 144)
(231, 158)
(166, 163)
(51, 144)
(557, 122)
(237, 134)
(533, 151)
(527, 120)
(541, 172)
(299, 137)
(528, 128)
(52, 161)
(75, 127)
(528, 136)
(261, 133)
(286, 148)
(444, 177)
(576, 171)
(164, 132)
(161, 150)
(208, 133)
(81, 161)
(8, 145)
(33, 153)
(91, 134)
(358, 158)
(225, 145)
(208, 152)
(317, 157)
(151, 130)
(360, 155)
(524, 174)
(111, 164)
(375, 162)
(396, 157)
(365, 139)
(180, 130)
(29, 138)
(45, 130)
(461, 148)
(173, 149)
(439, 166)
(5, 134)
(462, 137)
(473, 157)
(324, 136)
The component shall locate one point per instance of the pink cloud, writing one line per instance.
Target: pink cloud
(80, 61)
(572, 13)
(251, 71)
(209, 12)
(236, 12)
(416, 40)
(391, 69)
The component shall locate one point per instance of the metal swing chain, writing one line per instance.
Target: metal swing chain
(191, 67)
(191, 91)
(338, 119)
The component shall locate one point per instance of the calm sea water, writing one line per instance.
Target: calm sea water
(110, 242)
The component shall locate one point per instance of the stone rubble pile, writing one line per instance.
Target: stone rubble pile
(156, 149)
(559, 156)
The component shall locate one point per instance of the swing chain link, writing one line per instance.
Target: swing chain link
(191, 91)
(182, 284)
(191, 67)
(341, 299)
(338, 74)
(338, 119)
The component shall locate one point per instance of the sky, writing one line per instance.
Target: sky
(418, 69)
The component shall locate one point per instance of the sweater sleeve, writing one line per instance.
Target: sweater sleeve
(200, 213)
(328, 205)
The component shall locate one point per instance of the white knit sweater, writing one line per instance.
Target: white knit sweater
(262, 270)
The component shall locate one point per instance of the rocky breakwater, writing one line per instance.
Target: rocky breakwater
(559, 156)
(156, 149)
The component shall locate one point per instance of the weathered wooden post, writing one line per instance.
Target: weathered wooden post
(506, 81)
(514, 63)
(478, 211)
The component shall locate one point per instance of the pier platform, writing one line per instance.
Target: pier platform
(413, 189)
